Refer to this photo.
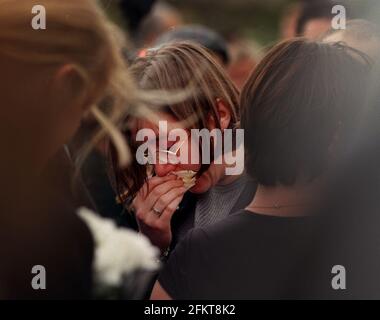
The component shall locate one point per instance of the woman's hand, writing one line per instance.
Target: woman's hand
(155, 205)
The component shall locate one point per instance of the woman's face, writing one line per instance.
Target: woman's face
(190, 147)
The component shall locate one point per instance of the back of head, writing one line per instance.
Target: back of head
(198, 34)
(77, 32)
(298, 109)
(79, 36)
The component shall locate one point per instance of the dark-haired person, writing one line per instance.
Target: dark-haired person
(298, 109)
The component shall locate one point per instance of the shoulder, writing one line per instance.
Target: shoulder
(237, 222)
(203, 241)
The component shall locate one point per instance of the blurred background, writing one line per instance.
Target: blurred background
(248, 27)
(260, 21)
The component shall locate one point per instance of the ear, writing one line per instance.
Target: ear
(69, 85)
(224, 115)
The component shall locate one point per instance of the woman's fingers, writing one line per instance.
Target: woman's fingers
(157, 188)
(154, 182)
(138, 201)
(167, 214)
(161, 222)
(168, 197)
(159, 191)
(164, 196)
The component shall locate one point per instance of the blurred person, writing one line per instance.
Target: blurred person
(161, 18)
(244, 58)
(163, 207)
(199, 34)
(359, 34)
(315, 18)
(296, 128)
(51, 78)
(347, 230)
(288, 23)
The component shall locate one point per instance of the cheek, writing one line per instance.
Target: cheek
(202, 185)
(208, 179)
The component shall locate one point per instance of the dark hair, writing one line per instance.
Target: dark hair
(311, 10)
(202, 35)
(302, 97)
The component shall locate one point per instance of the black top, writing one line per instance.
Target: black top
(39, 226)
(183, 219)
(245, 256)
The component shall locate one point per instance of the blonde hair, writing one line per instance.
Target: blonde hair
(77, 33)
(186, 67)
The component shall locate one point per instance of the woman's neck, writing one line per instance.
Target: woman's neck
(284, 201)
(226, 180)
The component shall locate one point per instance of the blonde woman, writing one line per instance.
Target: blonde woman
(49, 80)
(164, 208)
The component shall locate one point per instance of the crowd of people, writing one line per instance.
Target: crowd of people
(76, 97)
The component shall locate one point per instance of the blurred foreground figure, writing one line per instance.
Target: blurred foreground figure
(347, 233)
(50, 79)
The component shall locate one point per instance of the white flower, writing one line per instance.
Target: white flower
(118, 251)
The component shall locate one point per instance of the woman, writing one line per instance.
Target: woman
(300, 108)
(50, 79)
(164, 209)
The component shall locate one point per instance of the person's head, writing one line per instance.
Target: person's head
(299, 108)
(359, 34)
(51, 77)
(245, 54)
(210, 101)
(315, 18)
(201, 35)
(161, 18)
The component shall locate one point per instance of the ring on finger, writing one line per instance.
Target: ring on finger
(156, 212)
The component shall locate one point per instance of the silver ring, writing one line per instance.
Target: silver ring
(157, 212)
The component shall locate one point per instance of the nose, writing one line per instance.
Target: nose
(162, 170)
